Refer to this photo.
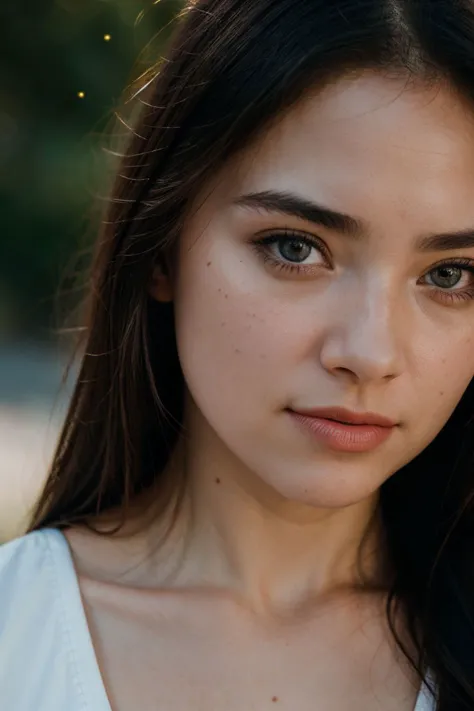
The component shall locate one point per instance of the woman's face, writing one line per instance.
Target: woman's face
(286, 307)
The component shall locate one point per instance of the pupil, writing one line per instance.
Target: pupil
(447, 276)
(294, 250)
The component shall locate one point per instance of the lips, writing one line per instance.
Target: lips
(343, 430)
(348, 417)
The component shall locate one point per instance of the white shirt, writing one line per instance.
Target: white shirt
(47, 660)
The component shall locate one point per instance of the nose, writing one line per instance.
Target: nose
(365, 337)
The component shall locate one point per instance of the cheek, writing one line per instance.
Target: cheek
(238, 344)
(446, 374)
(231, 342)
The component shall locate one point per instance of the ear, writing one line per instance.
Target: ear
(160, 286)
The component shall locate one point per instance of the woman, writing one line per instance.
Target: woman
(263, 492)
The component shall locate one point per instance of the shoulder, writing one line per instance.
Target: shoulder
(26, 563)
(34, 573)
(29, 583)
(31, 614)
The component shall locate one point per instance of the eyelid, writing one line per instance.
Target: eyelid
(453, 261)
(465, 263)
(452, 296)
(269, 236)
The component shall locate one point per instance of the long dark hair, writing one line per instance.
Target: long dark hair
(232, 67)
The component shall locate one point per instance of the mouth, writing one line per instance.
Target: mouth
(343, 430)
(347, 417)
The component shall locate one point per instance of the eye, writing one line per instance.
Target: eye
(292, 251)
(452, 280)
(446, 276)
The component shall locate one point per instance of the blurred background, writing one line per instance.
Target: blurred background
(65, 66)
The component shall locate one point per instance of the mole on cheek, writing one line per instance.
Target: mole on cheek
(275, 699)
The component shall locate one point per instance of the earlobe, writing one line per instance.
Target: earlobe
(160, 285)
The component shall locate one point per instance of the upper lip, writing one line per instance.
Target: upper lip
(348, 416)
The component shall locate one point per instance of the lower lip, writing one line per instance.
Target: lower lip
(341, 437)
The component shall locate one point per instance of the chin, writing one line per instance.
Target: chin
(329, 490)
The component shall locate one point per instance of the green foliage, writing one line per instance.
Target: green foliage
(52, 167)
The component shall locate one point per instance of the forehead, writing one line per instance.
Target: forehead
(368, 144)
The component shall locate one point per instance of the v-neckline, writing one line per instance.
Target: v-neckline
(81, 640)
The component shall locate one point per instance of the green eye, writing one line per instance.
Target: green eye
(447, 277)
(452, 280)
(294, 249)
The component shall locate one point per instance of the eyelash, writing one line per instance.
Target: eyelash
(466, 265)
(261, 246)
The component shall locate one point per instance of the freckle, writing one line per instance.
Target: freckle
(219, 290)
(441, 392)
(275, 699)
(223, 323)
(218, 481)
(237, 350)
(209, 264)
(226, 296)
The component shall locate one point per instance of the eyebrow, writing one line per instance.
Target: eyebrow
(287, 203)
(464, 239)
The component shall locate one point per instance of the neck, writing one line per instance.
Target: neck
(243, 536)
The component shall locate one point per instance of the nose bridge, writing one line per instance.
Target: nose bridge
(367, 334)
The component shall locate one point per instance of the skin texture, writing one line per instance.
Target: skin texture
(363, 335)
(262, 565)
